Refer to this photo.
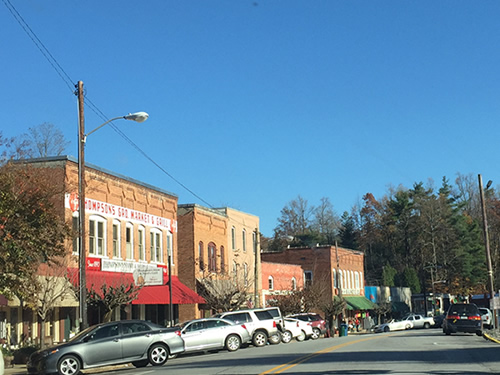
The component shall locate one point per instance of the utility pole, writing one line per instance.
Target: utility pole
(81, 209)
(488, 254)
(256, 271)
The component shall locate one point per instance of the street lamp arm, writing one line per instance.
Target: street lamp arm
(137, 117)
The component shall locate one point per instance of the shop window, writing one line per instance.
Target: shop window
(156, 246)
(97, 236)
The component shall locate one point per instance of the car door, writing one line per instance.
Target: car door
(103, 346)
(136, 339)
(194, 336)
(217, 331)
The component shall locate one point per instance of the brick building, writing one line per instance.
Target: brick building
(131, 230)
(340, 270)
(280, 279)
(217, 243)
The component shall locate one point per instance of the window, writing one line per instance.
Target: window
(156, 246)
(308, 278)
(341, 281)
(76, 230)
(233, 238)
(245, 274)
(129, 241)
(200, 256)
(271, 283)
(222, 260)
(116, 238)
(244, 239)
(169, 247)
(212, 257)
(97, 233)
(235, 269)
(141, 239)
(294, 283)
(334, 274)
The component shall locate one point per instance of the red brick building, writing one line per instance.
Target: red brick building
(280, 279)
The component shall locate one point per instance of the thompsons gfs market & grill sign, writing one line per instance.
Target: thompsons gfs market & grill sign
(93, 206)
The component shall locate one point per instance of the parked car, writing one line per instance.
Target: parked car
(278, 318)
(260, 323)
(318, 323)
(486, 317)
(296, 329)
(463, 317)
(420, 321)
(213, 333)
(393, 325)
(113, 343)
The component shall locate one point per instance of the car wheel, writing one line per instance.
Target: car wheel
(479, 333)
(386, 329)
(142, 363)
(316, 334)
(68, 365)
(275, 339)
(233, 343)
(158, 355)
(407, 326)
(259, 338)
(286, 337)
(427, 325)
(446, 332)
(301, 337)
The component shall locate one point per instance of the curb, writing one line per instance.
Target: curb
(488, 337)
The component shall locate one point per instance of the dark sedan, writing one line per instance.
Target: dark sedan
(463, 317)
(113, 343)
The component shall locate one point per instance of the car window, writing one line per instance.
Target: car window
(239, 317)
(263, 315)
(134, 327)
(462, 309)
(216, 323)
(195, 326)
(105, 332)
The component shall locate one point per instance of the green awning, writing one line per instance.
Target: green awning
(360, 303)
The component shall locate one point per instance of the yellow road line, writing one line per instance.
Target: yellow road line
(286, 366)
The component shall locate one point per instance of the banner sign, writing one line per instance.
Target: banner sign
(143, 273)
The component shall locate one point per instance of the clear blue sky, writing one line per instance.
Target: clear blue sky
(253, 102)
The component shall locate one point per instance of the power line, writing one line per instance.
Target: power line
(70, 83)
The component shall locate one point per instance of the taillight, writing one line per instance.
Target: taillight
(297, 324)
(453, 317)
(178, 333)
(309, 324)
(475, 317)
(244, 326)
(274, 324)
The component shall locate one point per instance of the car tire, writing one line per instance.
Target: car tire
(286, 337)
(407, 326)
(479, 333)
(386, 329)
(316, 333)
(259, 338)
(158, 355)
(447, 332)
(427, 325)
(301, 337)
(140, 364)
(69, 365)
(275, 339)
(233, 343)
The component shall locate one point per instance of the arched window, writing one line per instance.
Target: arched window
(212, 257)
(201, 256)
(116, 239)
(271, 283)
(222, 260)
(97, 235)
(294, 283)
(244, 240)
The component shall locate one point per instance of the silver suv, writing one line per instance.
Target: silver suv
(259, 322)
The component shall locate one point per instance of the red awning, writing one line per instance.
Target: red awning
(148, 295)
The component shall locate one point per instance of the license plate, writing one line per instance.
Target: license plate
(464, 317)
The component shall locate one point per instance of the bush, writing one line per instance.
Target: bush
(21, 355)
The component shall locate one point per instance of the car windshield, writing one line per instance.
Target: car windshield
(462, 310)
(82, 334)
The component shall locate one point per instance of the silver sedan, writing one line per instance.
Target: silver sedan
(212, 334)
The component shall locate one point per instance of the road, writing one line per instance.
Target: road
(407, 352)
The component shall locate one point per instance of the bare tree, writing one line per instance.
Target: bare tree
(43, 140)
(295, 218)
(326, 222)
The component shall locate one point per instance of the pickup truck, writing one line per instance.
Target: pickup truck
(420, 321)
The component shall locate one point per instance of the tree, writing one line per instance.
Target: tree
(388, 275)
(348, 233)
(43, 140)
(225, 293)
(382, 309)
(32, 230)
(325, 222)
(295, 218)
(332, 309)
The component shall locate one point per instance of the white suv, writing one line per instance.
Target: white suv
(259, 322)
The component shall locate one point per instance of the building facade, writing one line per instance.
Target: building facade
(280, 279)
(131, 239)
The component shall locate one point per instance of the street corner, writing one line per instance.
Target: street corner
(491, 337)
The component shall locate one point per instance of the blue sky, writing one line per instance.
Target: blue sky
(252, 103)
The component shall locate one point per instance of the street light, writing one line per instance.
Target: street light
(82, 138)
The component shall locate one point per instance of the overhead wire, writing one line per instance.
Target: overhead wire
(70, 83)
